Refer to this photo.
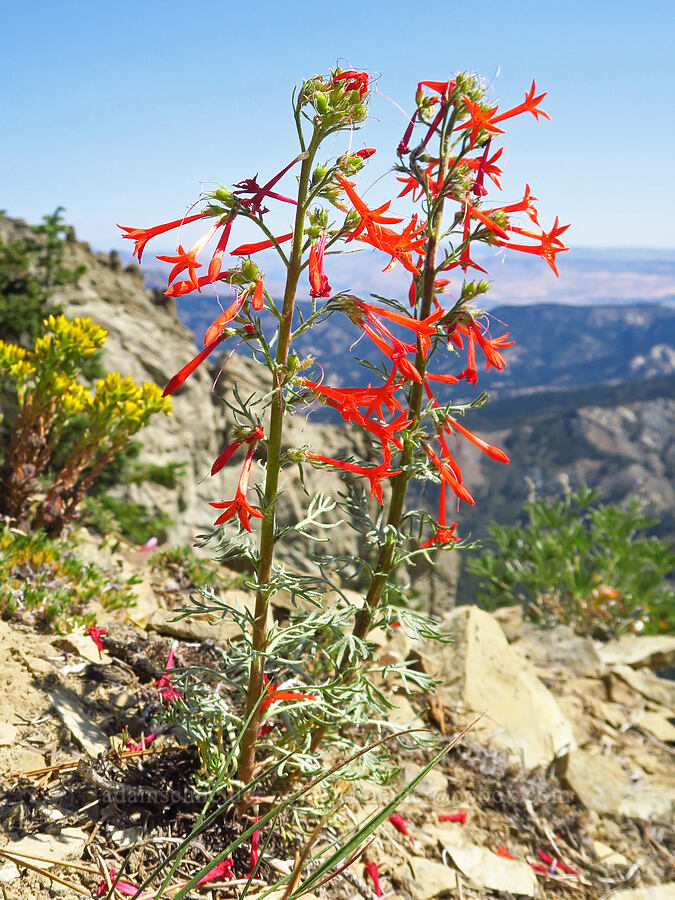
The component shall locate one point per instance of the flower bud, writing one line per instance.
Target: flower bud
(321, 103)
(249, 270)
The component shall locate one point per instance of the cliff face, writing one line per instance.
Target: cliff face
(147, 341)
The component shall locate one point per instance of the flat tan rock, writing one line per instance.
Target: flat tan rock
(659, 690)
(659, 725)
(431, 878)
(492, 872)
(654, 651)
(83, 645)
(482, 673)
(652, 799)
(607, 856)
(655, 892)
(599, 782)
(68, 843)
(85, 732)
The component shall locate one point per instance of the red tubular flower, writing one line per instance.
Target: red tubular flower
(478, 188)
(491, 347)
(215, 329)
(180, 288)
(448, 477)
(255, 837)
(485, 220)
(470, 373)
(548, 246)
(486, 119)
(489, 168)
(491, 451)
(249, 249)
(372, 870)
(251, 186)
(317, 274)
(403, 147)
(459, 816)
(258, 300)
(374, 474)
(399, 824)
(95, 633)
(163, 684)
(273, 694)
(358, 81)
(365, 153)
(444, 534)
(141, 745)
(141, 236)
(251, 439)
(188, 260)
(222, 870)
(217, 258)
(503, 852)
(239, 507)
(178, 379)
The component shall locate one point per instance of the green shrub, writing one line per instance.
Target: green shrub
(583, 564)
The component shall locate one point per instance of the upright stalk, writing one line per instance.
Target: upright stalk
(399, 486)
(274, 435)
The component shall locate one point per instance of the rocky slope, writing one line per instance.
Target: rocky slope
(147, 341)
(563, 788)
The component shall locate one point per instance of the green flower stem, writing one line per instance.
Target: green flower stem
(385, 559)
(267, 532)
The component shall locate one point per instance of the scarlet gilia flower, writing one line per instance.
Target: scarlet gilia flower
(478, 188)
(549, 245)
(399, 824)
(258, 300)
(374, 474)
(357, 81)
(163, 684)
(503, 852)
(372, 871)
(250, 249)
(222, 870)
(485, 119)
(187, 370)
(141, 745)
(371, 230)
(423, 328)
(489, 449)
(251, 439)
(250, 186)
(239, 507)
(141, 236)
(459, 816)
(255, 837)
(444, 534)
(215, 329)
(273, 694)
(487, 166)
(317, 274)
(348, 400)
(188, 260)
(95, 633)
(449, 477)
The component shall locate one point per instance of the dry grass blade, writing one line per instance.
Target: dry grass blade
(50, 875)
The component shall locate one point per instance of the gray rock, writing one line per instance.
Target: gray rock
(481, 673)
(653, 651)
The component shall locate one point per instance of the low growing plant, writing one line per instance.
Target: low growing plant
(313, 683)
(581, 563)
(45, 580)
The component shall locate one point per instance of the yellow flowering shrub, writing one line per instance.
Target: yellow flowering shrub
(49, 394)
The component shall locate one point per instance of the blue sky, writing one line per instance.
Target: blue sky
(119, 111)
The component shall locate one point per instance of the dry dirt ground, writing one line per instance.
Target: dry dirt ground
(73, 796)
